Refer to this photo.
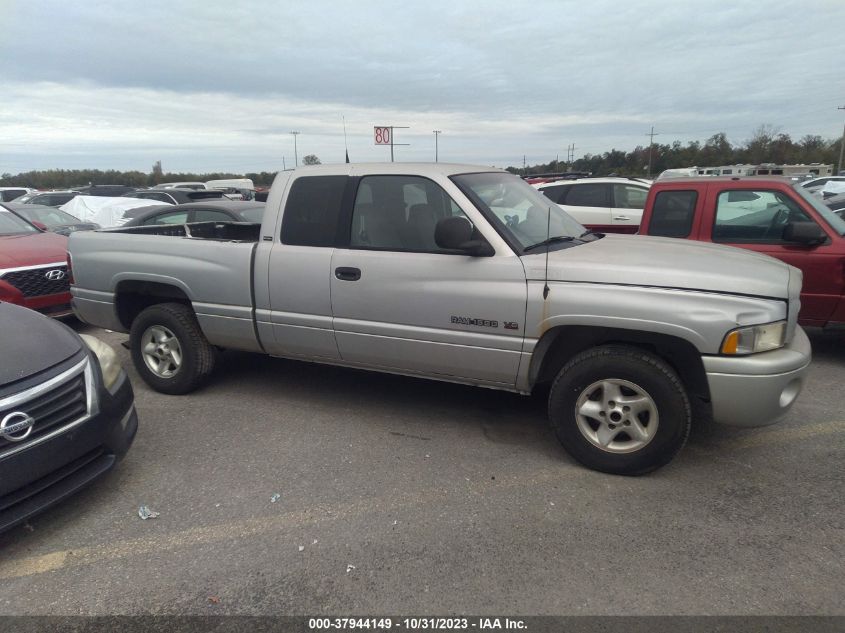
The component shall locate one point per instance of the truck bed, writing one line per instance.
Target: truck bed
(222, 231)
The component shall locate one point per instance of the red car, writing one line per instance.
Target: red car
(33, 266)
(771, 215)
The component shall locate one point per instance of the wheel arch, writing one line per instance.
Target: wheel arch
(559, 344)
(133, 296)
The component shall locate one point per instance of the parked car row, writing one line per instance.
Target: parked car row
(455, 273)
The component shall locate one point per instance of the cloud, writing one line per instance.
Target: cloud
(210, 84)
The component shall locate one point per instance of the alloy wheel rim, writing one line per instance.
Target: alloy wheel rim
(616, 416)
(161, 351)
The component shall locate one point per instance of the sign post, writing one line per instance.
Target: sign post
(383, 135)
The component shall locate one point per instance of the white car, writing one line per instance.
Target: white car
(607, 205)
(817, 185)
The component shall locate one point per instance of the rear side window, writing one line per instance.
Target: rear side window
(588, 195)
(629, 196)
(673, 213)
(556, 194)
(211, 215)
(313, 210)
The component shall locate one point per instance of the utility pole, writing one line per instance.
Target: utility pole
(295, 156)
(651, 136)
(841, 146)
(436, 134)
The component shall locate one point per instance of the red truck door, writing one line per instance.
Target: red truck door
(752, 215)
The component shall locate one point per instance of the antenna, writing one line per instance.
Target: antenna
(548, 236)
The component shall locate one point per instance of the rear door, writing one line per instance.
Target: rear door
(401, 303)
(298, 270)
(628, 203)
(590, 204)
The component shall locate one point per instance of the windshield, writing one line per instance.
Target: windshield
(830, 216)
(45, 215)
(520, 213)
(10, 224)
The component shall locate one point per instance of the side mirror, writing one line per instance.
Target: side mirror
(456, 234)
(40, 225)
(806, 233)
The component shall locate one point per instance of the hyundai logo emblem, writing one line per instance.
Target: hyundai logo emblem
(55, 274)
(16, 426)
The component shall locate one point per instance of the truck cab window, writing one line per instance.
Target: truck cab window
(754, 216)
(399, 213)
(673, 213)
(312, 211)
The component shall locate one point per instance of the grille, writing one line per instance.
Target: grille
(34, 282)
(60, 405)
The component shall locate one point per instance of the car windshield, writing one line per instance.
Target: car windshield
(45, 215)
(520, 212)
(829, 215)
(10, 224)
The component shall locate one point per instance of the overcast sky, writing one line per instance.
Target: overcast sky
(218, 86)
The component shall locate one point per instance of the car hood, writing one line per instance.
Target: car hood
(31, 343)
(641, 260)
(19, 251)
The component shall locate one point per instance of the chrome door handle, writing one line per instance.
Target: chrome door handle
(621, 217)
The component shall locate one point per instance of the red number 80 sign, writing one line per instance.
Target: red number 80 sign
(382, 135)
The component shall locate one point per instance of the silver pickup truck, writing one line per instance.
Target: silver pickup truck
(464, 274)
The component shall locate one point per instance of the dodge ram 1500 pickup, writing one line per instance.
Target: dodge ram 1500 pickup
(464, 274)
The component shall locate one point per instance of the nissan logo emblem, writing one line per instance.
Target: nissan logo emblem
(55, 274)
(18, 423)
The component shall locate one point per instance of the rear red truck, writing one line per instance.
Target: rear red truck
(773, 216)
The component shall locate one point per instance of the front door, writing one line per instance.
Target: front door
(400, 302)
(755, 219)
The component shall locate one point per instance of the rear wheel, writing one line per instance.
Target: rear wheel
(620, 410)
(169, 349)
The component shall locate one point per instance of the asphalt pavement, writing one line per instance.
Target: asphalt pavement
(400, 495)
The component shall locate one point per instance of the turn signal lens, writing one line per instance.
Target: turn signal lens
(754, 339)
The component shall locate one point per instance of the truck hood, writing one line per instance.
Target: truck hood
(662, 262)
(31, 343)
(18, 251)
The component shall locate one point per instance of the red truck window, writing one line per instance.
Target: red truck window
(672, 213)
(754, 216)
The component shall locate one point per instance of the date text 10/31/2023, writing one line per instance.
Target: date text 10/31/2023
(417, 624)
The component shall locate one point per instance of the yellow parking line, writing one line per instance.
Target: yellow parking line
(262, 525)
(785, 434)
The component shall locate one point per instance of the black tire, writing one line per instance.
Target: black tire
(197, 357)
(651, 375)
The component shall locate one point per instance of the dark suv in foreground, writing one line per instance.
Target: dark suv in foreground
(67, 412)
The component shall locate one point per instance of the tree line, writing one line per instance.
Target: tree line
(68, 178)
(766, 145)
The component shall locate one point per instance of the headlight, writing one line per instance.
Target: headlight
(755, 338)
(109, 364)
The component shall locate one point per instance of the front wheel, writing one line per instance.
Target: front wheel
(620, 410)
(169, 349)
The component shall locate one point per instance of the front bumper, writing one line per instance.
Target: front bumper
(47, 472)
(759, 389)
